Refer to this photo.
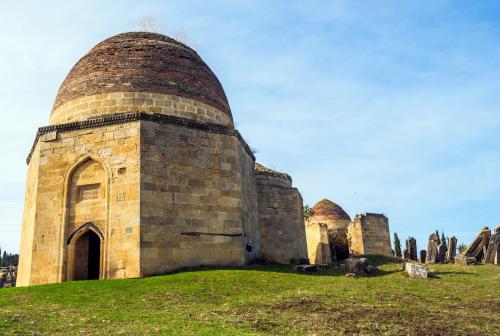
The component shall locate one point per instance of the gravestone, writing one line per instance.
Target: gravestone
(493, 251)
(412, 248)
(452, 249)
(441, 255)
(423, 256)
(432, 249)
(406, 254)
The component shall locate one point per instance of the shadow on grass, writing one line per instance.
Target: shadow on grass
(334, 269)
(439, 274)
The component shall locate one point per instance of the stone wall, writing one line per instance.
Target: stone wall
(29, 219)
(197, 205)
(106, 104)
(369, 234)
(281, 219)
(318, 247)
(60, 163)
(337, 236)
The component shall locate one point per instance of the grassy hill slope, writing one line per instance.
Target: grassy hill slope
(262, 300)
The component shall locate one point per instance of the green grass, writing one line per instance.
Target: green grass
(263, 300)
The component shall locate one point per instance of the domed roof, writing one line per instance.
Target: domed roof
(143, 62)
(328, 209)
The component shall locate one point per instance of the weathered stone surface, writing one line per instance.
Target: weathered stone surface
(416, 270)
(337, 221)
(452, 249)
(369, 234)
(406, 254)
(464, 260)
(411, 246)
(441, 254)
(143, 62)
(423, 256)
(493, 250)
(477, 248)
(318, 247)
(432, 249)
(360, 266)
(281, 219)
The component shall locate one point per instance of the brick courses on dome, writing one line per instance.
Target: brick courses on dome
(328, 209)
(143, 62)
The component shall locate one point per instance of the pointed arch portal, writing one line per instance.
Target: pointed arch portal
(84, 253)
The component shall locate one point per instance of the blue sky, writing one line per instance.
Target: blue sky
(380, 106)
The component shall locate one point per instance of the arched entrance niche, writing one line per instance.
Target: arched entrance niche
(86, 218)
(85, 247)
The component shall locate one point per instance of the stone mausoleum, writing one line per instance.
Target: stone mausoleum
(333, 236)
(141, 171)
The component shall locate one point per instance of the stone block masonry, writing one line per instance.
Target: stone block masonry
(369, 234)
(281, 218)
(138, 182)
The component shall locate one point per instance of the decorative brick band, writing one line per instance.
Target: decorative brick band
(140, 116)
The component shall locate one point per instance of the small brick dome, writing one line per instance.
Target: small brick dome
(143, 62)
(329, 210)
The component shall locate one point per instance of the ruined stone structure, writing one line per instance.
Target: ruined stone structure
(478, 248)
(336, 221)
(452, 249)
(369, 234)
(141, 172)
(281, 217)
(485, 248)
(432, 249)
(411, 247)
(318, 246)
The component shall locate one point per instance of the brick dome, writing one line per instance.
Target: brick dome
(329, 210)
(142, 62)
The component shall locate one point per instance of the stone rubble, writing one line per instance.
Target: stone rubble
(8, 276)
(360, 267)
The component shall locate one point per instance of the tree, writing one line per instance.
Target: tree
(397, 246)
(7, 259)
(444, 241)
(308, 212)
(462, 248)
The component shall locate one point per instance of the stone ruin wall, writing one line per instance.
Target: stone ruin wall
(369, 234)
(50, 212)
(29, 219)
(281, 219)
(337, 235)
(197, 204)
(318, 247)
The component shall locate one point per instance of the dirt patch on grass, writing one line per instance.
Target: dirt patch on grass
(313, 316)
